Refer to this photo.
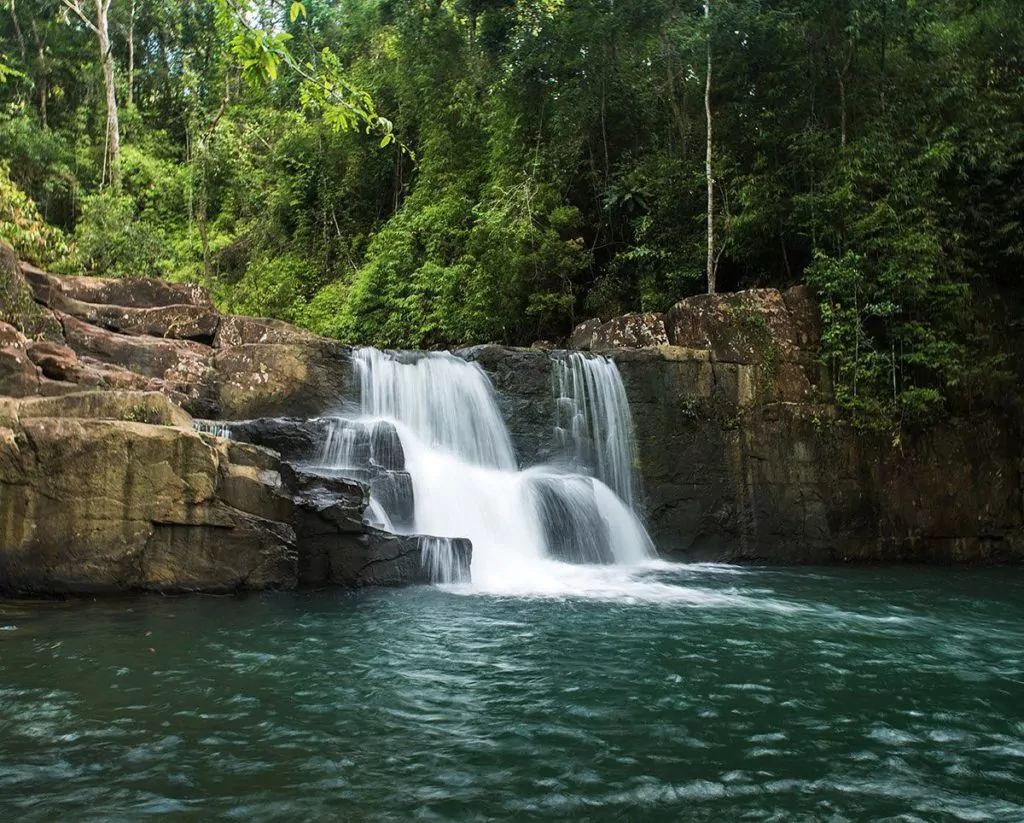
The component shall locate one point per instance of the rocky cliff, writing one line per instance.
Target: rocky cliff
(744, 458)
(104, 485)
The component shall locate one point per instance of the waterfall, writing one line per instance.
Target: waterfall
(433, 418)
(445, 402)
(214, 427)
(594, 426)
(443, 564)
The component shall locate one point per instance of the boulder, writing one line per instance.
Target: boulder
(297, 440)
(378, 558)
(274, 379)
(337, 548)
(746, 327)
(183, 322)
(104, 505)
(639, 330)
(99, 375)
(148, 356)
(183, 368)
(243, 331)
(10, 337)
(582, 337)
(140, 293)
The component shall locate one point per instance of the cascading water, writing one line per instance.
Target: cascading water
(215, 427)
(445, 402)
(450, 439)
(594, 426)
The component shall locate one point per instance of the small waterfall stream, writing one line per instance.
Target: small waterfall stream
(594, 427)
(437, 455)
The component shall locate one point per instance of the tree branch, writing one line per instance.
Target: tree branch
(77, 9)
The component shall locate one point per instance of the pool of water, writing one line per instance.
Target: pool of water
(676, 693)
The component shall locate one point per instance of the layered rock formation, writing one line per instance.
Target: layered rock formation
(105, 485)
(743, 457)
(97, 333)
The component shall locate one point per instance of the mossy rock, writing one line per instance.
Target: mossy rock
(17, 305)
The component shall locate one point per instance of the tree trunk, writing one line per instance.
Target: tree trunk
(679, 112)
(842, 108)
(708, 168)
(21, 38)
(42, 73)
(131, 55)
(107, 58)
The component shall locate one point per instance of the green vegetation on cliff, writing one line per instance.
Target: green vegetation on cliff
(550, 164)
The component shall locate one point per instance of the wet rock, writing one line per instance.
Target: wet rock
(523, 383)
(392, 489)
(297, 440)
(574, 529)
(337, 548)
(381, 559)
(743, 462)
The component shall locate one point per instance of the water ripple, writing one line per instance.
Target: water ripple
(665, 693)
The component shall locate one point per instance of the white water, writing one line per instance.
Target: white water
(594, 427)
(214, 427)
(465, 480)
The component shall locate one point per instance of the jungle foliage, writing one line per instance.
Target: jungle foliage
(438, 172)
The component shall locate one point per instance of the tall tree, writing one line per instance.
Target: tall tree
(708, 167)
(101, 28)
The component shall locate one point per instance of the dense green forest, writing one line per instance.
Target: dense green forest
(438, 172)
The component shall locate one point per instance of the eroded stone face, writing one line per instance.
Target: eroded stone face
(742, 462)
(113, 505)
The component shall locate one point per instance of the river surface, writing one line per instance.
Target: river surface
(679, 693)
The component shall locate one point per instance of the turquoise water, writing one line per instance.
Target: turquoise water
(687, 693)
